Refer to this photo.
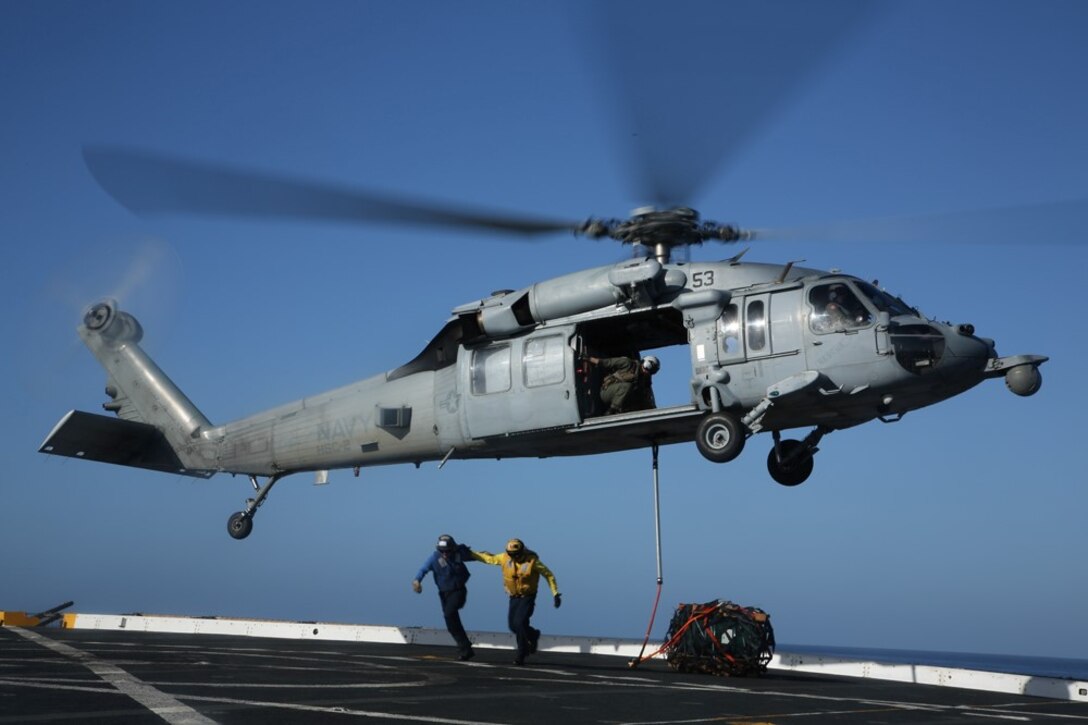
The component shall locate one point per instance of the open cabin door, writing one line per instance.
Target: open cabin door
(519, 385)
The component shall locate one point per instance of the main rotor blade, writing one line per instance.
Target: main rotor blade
(691, 89)
(1061, 222)
(149, 183)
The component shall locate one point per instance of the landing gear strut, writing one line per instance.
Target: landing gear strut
(240, 523)
(790, 461)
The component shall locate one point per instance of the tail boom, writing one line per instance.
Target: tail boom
(158, 426)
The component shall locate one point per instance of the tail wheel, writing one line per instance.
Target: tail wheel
(720, 437)
(239, 525)
(796, 470)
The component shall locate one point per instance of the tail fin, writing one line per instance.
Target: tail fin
(152, 408)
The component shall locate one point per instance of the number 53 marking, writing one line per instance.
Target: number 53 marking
(702, 279)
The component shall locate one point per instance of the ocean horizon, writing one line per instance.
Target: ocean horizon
(1060, 667)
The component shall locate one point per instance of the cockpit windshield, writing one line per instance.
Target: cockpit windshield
(883, 301)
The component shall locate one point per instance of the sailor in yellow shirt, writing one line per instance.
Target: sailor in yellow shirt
(521, 572)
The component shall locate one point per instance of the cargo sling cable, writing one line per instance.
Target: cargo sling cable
(657, 536)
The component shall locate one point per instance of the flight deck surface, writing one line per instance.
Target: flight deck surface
(64, 675)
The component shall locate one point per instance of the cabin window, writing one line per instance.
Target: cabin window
(543, 360)
(491, 370)
(729, 333)
(757, 326)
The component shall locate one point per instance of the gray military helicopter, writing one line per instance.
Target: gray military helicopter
(773, 347)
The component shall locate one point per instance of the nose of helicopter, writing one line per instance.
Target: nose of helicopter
(968, 360)
(966, 351)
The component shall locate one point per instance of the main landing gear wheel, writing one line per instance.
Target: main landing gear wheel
(239, 525)
(798, 463)
(720, 437)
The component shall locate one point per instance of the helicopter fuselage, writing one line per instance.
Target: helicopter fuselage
(772, 348)
(509, 377)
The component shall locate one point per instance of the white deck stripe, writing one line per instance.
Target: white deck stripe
(340, 710)
(157, 701)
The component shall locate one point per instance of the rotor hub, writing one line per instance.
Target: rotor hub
(662, 229)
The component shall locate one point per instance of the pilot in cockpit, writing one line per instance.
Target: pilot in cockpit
(836, 309)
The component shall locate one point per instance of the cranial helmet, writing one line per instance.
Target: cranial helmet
(445, 543)
(514, 547)
(651, 364)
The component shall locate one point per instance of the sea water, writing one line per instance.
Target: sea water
(1073, 669)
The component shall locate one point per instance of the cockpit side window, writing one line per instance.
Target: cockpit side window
(836, 308)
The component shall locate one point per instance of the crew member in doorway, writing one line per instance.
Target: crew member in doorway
(627, 383)
(521, 572)
(448, 564)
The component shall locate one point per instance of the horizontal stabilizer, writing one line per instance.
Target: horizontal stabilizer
(112, 440)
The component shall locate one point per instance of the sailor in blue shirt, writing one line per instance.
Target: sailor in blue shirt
(447, 563)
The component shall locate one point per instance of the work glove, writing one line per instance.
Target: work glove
(558, 600)
(418, 588)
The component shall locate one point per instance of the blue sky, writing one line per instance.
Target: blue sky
(960, 528)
